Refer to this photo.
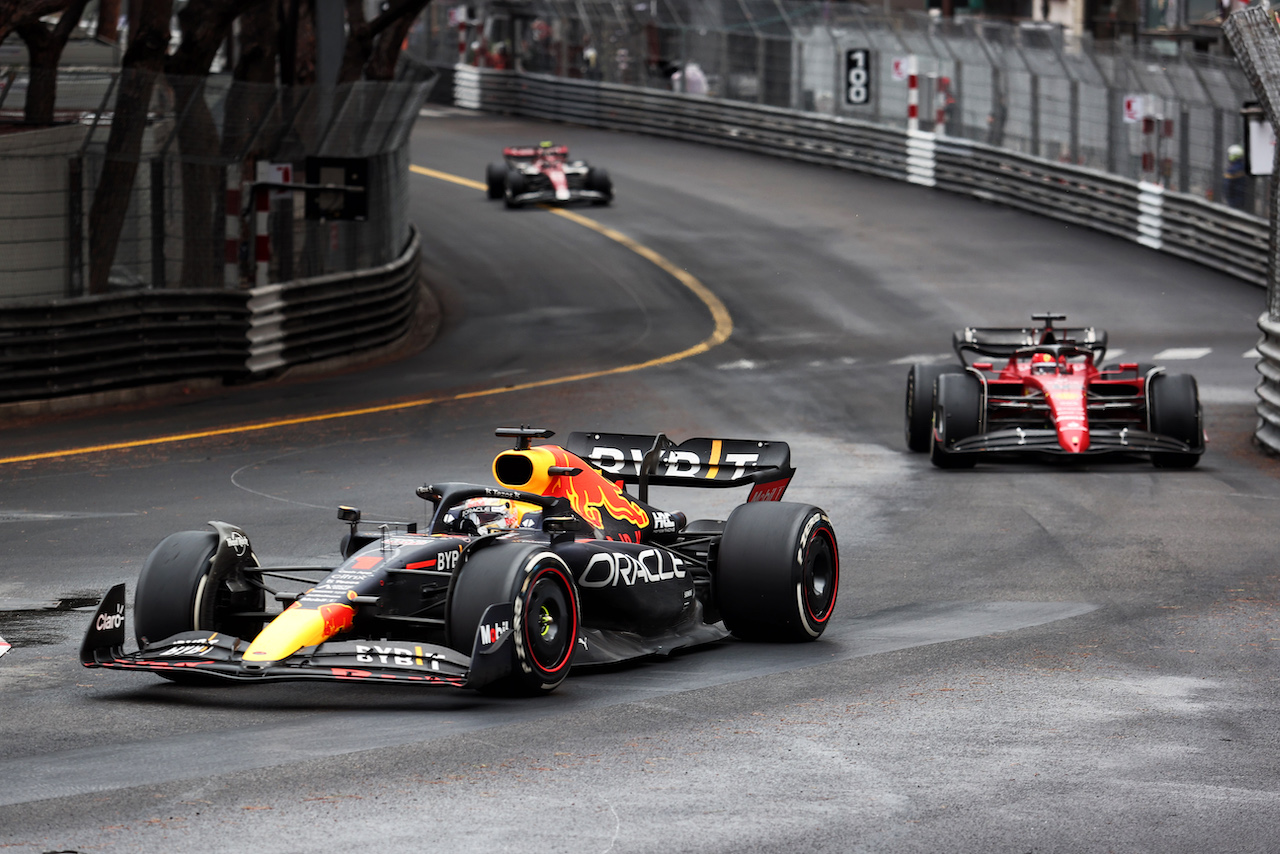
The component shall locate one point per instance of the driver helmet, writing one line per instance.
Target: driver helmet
(1042, 363)
(485, 515)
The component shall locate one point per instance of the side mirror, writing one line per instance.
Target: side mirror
(562, 527)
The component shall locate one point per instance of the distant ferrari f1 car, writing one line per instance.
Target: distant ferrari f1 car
(507, 588)
(545, 174)
(1042, 390)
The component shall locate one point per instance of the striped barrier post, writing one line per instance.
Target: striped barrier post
(231, 251)
(913, 93)
(262, 234)
(942, 99)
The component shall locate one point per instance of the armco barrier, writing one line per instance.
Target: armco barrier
(105, 342)
(99, 343)
(311, 319)
(1182, 225)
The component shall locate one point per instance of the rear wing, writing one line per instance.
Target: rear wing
(656, 460)
(1005, 342)
(528, 152)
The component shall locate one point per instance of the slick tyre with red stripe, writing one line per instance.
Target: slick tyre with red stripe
(777, 572)
(546, 608)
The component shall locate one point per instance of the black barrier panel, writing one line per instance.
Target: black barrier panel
(344, 195)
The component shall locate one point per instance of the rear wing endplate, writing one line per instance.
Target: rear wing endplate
(655, 460)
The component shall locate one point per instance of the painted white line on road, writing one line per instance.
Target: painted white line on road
(1182, 354)
(918, 358)
(1228, 395)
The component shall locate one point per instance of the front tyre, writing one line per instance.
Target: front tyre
(515, 185)
(495, 178)
(188, 585)
(546, 614)
(598, 179)
(778, 572)
(919, 409)
(957, 414)
(1174, 411)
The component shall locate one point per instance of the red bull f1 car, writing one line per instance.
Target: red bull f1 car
(1043, 390)
(544, 174)
(505, 588)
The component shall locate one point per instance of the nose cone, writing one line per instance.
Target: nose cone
(1074, 439)
(298, 627)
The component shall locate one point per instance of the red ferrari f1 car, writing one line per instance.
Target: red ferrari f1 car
(507, 587)
(1043, 390)
(545, 174)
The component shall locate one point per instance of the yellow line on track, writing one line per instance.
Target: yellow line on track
(720, 314)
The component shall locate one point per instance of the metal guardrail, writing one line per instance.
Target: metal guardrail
(111, 341)
(327, 316)
(1253, 35)
(98, 343)
(1183, 225)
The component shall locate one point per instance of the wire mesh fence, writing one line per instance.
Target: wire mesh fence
(1121, 107)
(225, 184)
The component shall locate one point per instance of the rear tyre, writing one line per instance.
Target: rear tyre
(547, 613)
(919, 414)
(957, 414)
(778, 572)
(495, 177)
(598, 179)
(183, 589)
(1175, 412)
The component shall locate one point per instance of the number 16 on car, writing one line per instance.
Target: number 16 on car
(857, 76)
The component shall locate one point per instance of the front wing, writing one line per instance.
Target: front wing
(219, 656)
(550, 197)
(1045, 441)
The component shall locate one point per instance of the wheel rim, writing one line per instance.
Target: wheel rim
(820, 577)
(551, 626)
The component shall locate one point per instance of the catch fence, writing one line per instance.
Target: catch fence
(233, 185)
(1129, 109)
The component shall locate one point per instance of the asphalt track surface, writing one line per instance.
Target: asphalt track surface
(1025, 657)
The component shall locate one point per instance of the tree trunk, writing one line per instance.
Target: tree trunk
(386, 53)
(254, 90)
(15, 13)
(304, 73)
(361, 35)
(42, 90)
(143, 62)
(44, 49)
(204, 25)
(108, 20)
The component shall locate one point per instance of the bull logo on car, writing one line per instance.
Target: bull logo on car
(337, 617)
(589, 493)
